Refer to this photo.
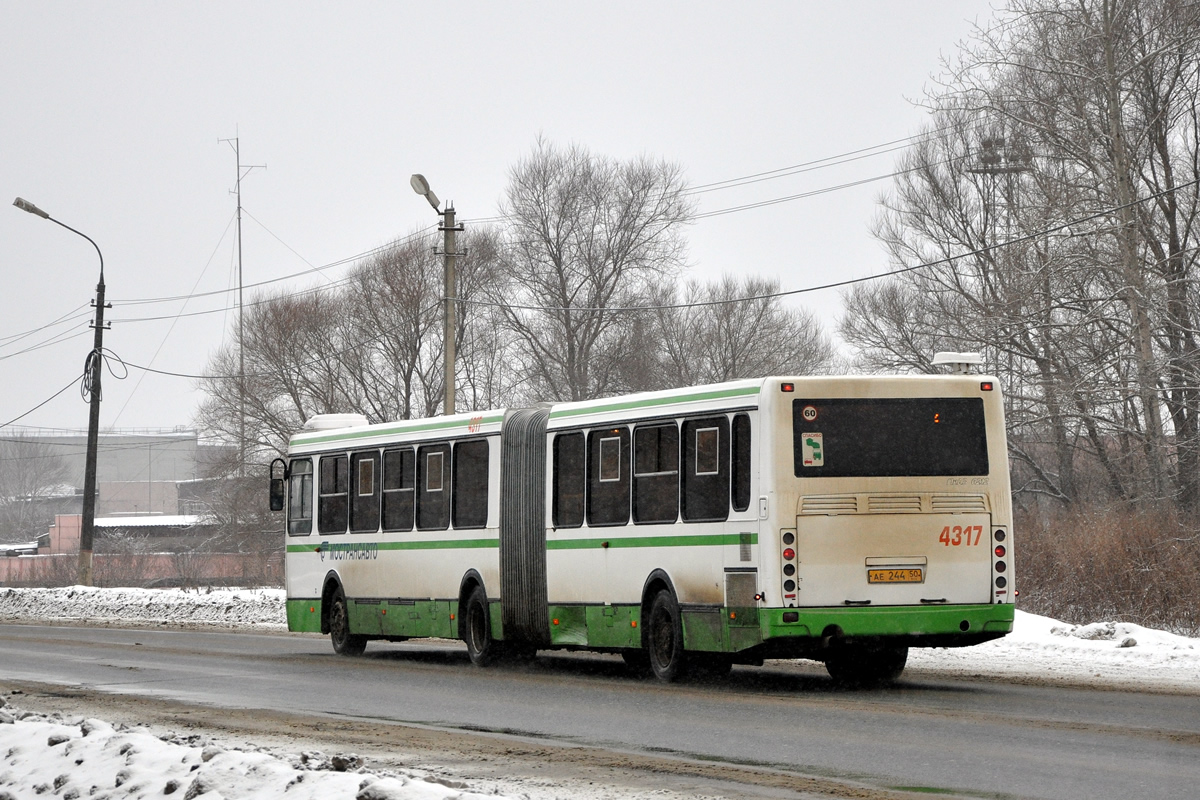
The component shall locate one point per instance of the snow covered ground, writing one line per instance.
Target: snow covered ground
(68, 757)
(89, 758)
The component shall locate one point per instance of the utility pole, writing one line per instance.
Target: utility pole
(421, 187)
(242, 171)
(448, 331)
(91, 384)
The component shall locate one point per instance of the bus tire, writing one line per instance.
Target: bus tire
(477, 629)
(344, 642)
(860, 666)
(664, 638)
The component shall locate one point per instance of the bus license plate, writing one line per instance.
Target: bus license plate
(895, 576)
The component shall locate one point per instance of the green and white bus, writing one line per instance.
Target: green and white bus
(841, 519)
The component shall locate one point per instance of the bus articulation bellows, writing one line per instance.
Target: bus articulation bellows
(842, 519)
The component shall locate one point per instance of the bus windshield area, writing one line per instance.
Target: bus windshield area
(889, 437)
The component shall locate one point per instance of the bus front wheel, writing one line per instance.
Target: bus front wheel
(664, 638)
(477, 629)
(344, 642)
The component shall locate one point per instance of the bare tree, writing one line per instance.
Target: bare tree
(585, 235)
(31, 473)
(1076, 118)
(732, 329)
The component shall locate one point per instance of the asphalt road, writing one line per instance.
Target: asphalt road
(965, 738)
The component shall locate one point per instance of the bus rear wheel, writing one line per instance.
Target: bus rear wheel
(344, 642)
(664, 638)
(860, 665)
(477, 629)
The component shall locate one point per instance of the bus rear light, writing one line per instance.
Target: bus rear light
(1000, 551)
(789, 554)
(789, 538)
(1001, 582)
(791, 616)
(1000, 566)
(999, 536)
(789, 585)
(787, 387)
(789, 570)
(985, 386)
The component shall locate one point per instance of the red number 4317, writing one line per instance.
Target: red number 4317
(960, 535)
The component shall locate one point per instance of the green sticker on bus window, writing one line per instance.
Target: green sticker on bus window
(813, 449)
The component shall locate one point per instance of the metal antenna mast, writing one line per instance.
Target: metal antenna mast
(242, 171)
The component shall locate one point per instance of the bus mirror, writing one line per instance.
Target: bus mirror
(277, 494)
(277, 485)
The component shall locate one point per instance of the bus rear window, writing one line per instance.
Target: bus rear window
(889, 437)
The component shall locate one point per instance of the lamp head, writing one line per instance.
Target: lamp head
(25, 205)
(421, 187)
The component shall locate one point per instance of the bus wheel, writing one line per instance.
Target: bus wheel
(477, 629)
(345, 643)
(664, 638)
(856, 665)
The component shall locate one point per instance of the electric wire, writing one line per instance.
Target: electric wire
(72, 382)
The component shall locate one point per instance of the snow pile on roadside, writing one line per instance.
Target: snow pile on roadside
(89, 758)
(260, 609)
(1114, 653)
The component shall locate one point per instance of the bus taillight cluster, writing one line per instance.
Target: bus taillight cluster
(999, 566)
(789, 566)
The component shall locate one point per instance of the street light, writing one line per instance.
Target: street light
(92, 382)
(421, 187)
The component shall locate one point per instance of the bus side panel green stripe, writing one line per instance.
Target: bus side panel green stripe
(428, 544)
(658, 401)
(695, 540)
(368, 432)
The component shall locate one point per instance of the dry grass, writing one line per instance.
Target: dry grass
(1100, 564)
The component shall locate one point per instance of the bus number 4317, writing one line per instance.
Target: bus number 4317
(960, 535)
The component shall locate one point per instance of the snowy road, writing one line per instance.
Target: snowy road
(967, 736)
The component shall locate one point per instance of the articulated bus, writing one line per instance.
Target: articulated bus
(839, 519)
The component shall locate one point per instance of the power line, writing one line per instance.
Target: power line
(39, 405)
(850, 281)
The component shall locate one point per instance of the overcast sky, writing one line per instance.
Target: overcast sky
(112, 113)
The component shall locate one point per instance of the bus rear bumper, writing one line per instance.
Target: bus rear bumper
(800, 632)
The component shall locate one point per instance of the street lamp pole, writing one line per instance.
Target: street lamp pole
(92, 372)
(421, 187)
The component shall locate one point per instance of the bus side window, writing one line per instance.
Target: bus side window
(399, 488)
(433, 487)
(331, 505)
(364, 506)
(568, 480)
(608, 477)
(656, 473)
(742, 464)
(470, 484)
(706, 469)
(300, 499)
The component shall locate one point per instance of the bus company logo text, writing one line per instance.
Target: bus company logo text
(349, 551)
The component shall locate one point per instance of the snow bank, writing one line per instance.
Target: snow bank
(1102, 653)
(89, 758)
(260, 609)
